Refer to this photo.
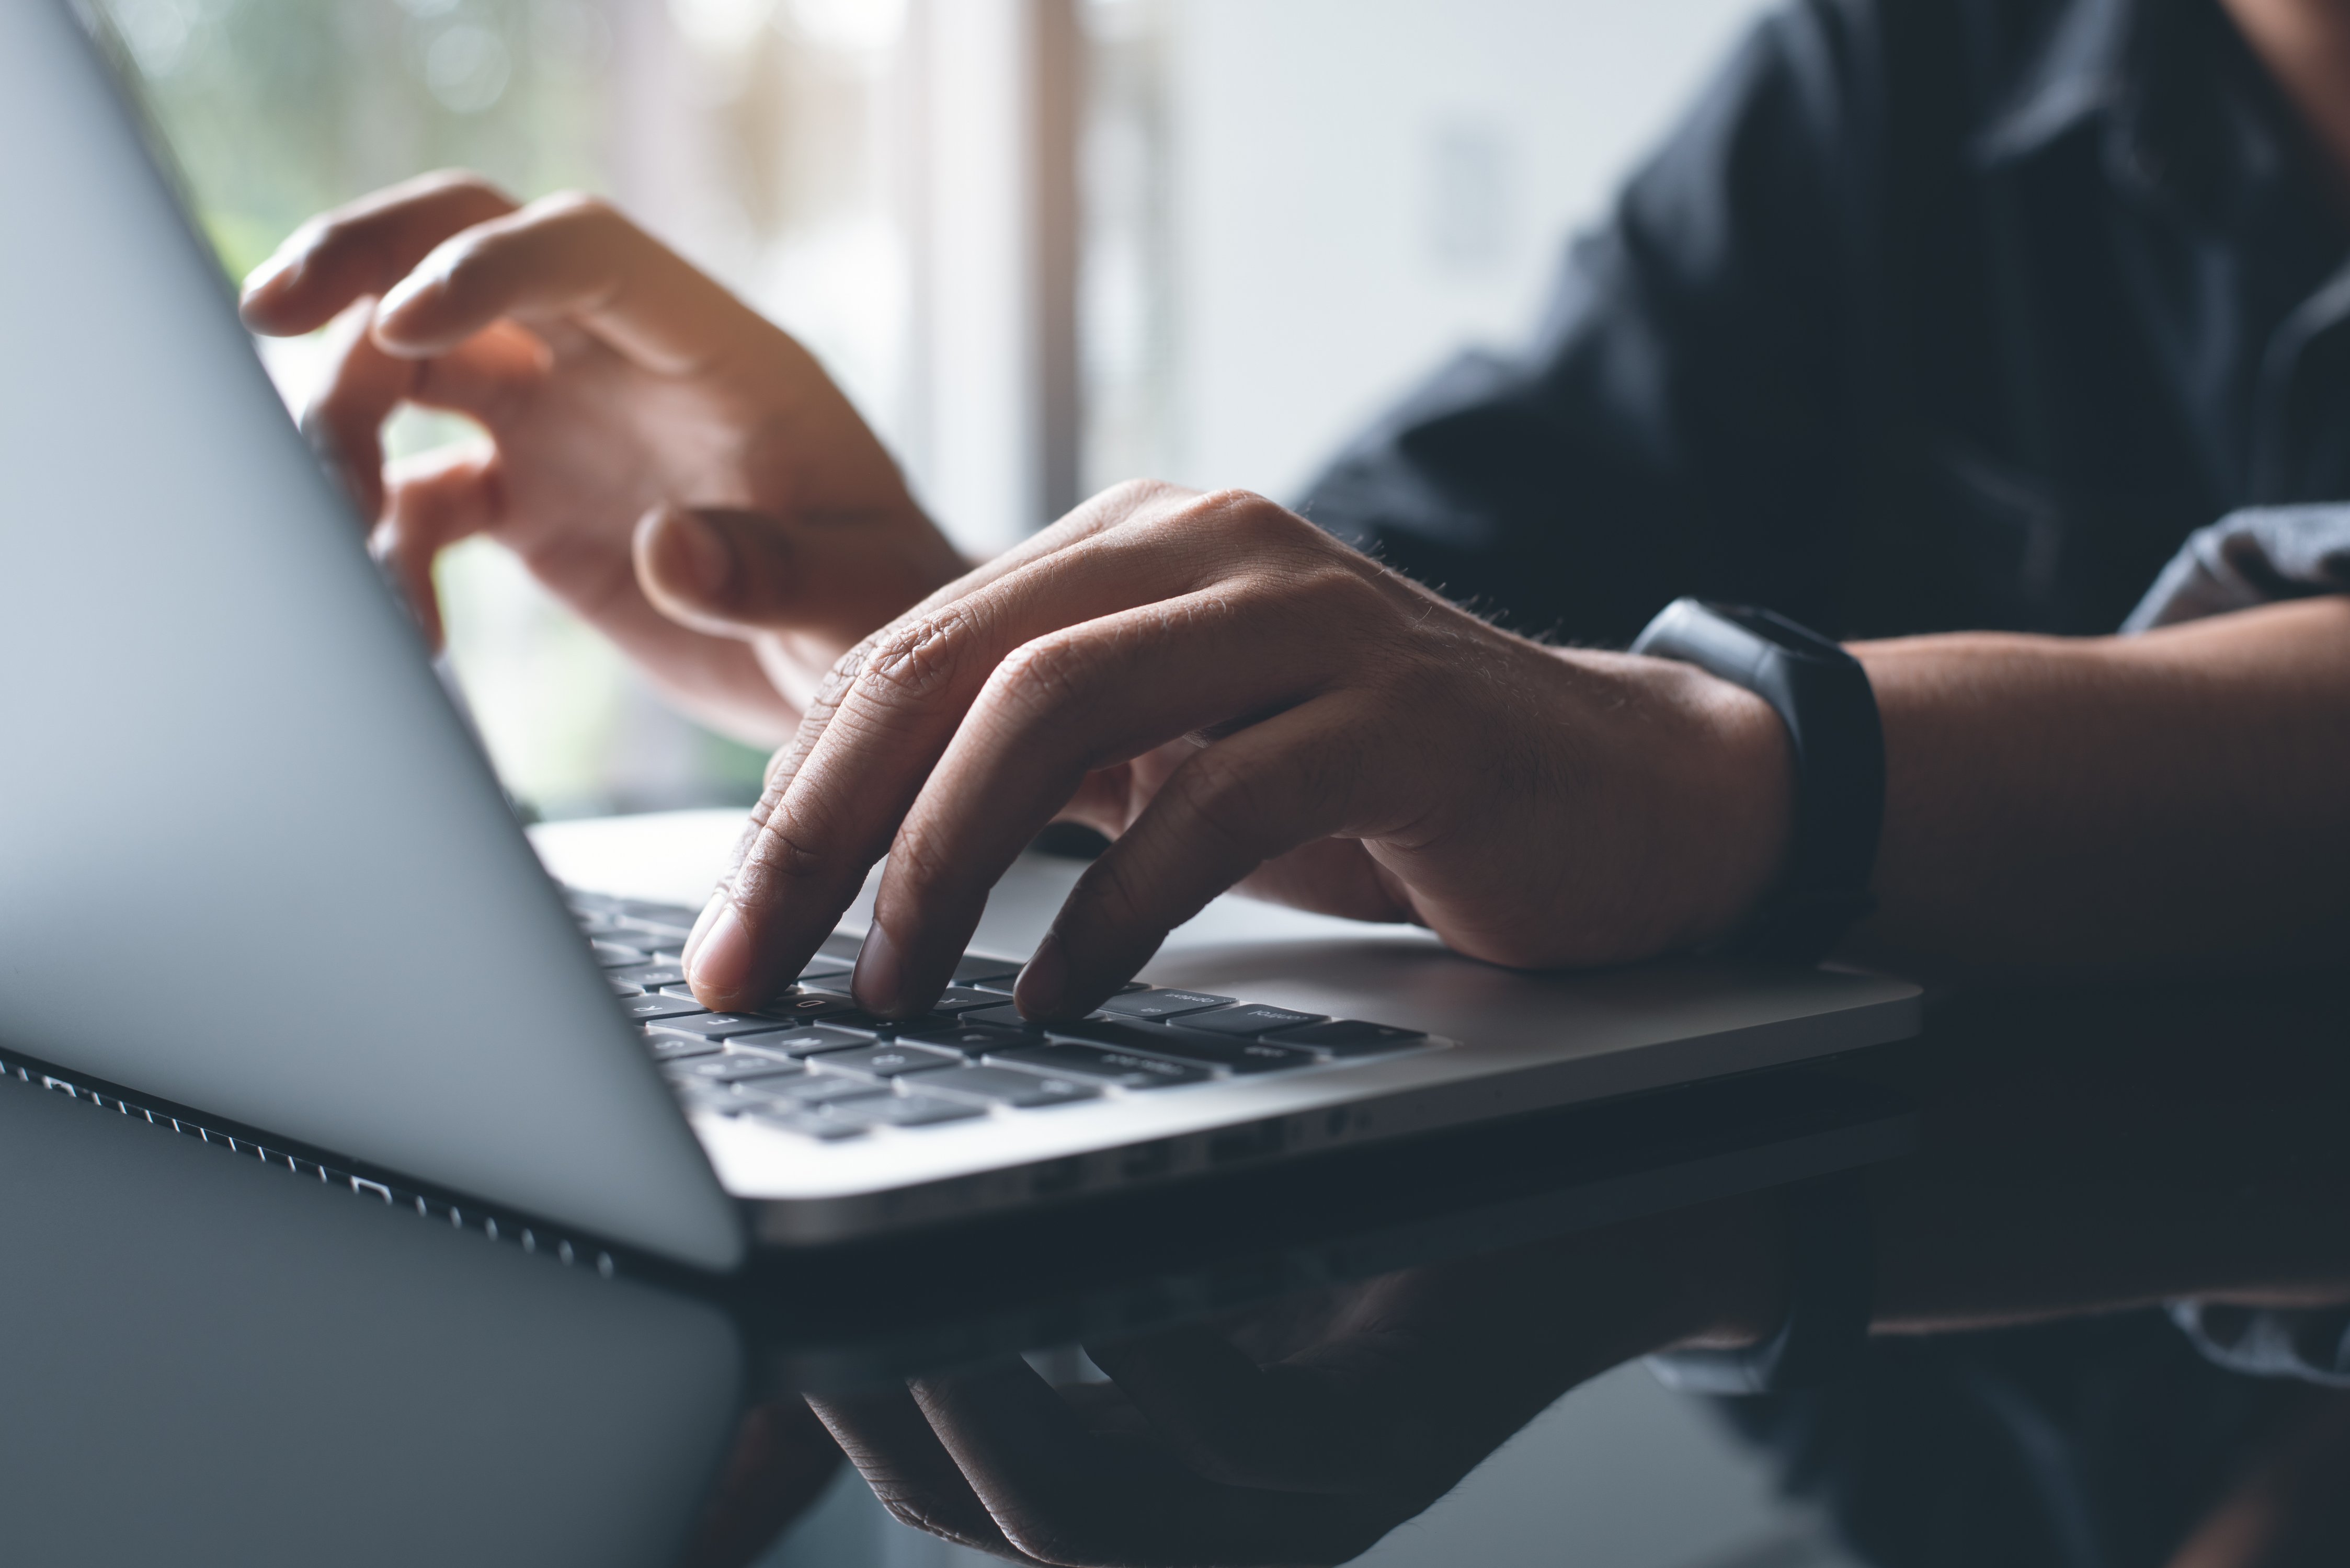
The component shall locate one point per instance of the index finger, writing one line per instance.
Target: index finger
(572, 257)
(362, 249)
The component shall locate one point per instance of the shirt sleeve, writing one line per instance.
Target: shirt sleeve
(2251, 557)
(1677, 423)
(2256, 556)
(2313, 1344)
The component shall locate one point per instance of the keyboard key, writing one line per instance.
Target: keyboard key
(803, 1041)
(812, 1089)
(612, 955)
(1154, 1003)
(676, 915)
(653, 1005)
(904, 1111)
(1251, 1018)
(822, 966)
(621, 987)
(974, 970)
(1005, 1087)
(733, 1067)
(714, 1025)
(1350, 1037)
(890, 1028)
(1098, 1065)
(841, 944)
(676, 1047)
(806, 1123)
(649, 976)
(1201, 1049)
(805, 1007)
(1002, 984)
(1004, 1017)
(886, 1059)
(972, 1039)
(964, 999)
(716, 1099)
(651, 934)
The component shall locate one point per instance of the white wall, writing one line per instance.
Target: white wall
(1360, 186)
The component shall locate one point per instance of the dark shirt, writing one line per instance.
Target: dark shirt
(1932, 314)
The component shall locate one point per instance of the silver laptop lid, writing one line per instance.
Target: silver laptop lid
(250, 859)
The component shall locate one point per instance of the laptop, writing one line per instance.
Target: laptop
(255, 868)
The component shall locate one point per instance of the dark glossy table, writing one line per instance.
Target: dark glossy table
(210, 1359)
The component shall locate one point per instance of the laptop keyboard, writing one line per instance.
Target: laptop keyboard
(813, 1062)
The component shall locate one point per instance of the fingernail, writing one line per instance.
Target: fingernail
(1043, 980)
(880, 975)
(702, 924)
(705, 555)
(719, 963)
(266, 274)
(401, 295)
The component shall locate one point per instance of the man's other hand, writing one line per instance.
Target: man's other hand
(1238, 700)
(1305, 1431)
(671, 465)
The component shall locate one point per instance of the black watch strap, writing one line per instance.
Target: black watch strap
(1822, 695)
(1831, 1297)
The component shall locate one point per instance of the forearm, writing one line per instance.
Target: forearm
(2084, 1149)
(2077, 806)
(1997, 1233)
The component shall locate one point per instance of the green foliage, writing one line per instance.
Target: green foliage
(278, 109)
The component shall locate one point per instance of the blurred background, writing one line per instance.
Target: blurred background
(1045, 245)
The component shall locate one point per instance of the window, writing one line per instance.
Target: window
(1045, 244)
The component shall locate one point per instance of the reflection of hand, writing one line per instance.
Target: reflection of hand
(1243, 700)
(780, 1463)
(1195, 1453)
(617, 385)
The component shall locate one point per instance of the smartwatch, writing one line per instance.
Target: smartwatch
(1831, 1296)
(1822, 695)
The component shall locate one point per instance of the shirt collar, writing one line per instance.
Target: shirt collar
(2186, 116)
(2081, 72)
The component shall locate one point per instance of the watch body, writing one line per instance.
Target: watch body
(1822, 695)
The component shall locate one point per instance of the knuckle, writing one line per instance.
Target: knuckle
(1040, 675)
(1246, 514)
(833, 688)
(787, 850)
(1222, 797)
(458, 181)
(471, 197)
(910, 664)
(918, 858)
(1130, 497)
(1242, 524)
(1331, 591)
(1114, 898)
(574, 208)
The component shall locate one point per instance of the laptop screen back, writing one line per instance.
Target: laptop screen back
(250, 859)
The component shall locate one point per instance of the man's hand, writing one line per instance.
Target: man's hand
(671, 465)
(1302, 1442)
(1240, 700)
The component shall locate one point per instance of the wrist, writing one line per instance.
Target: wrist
(1714, 1275)
(1730, 1275)
(1728, 783)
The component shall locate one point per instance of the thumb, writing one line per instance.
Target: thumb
(722, 571)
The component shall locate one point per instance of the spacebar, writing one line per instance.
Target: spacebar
(1185, 1045)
